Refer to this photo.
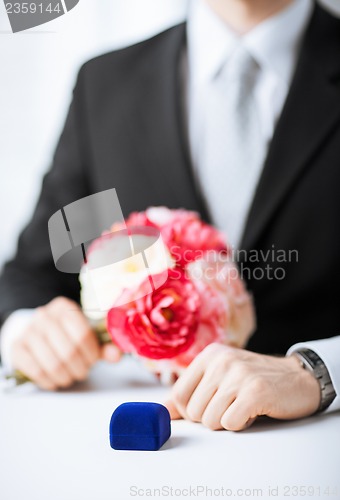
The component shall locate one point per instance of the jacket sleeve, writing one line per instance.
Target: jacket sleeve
(30, 279)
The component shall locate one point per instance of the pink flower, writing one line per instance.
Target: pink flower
(186, 235)
(189, 239)
(223, 276)
(159, 325)
(139, 219)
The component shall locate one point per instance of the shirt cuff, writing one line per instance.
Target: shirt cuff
(329, 351)
(13, 328)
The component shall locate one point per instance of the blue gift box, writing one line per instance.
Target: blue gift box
(139, 426)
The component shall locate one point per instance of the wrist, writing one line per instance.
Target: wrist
(294, 363)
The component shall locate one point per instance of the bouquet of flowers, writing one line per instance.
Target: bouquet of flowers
(162, 286)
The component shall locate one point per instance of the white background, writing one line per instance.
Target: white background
(38, 69)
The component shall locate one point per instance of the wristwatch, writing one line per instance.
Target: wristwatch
(312, 362)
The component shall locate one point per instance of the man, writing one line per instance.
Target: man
(236, 115)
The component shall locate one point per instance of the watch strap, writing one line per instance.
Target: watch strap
(312, 362)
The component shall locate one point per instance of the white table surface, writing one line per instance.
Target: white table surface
(56, 447)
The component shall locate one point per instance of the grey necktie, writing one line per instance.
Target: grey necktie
(233, 148)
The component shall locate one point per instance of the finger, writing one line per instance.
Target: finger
(239, 414)
(82, 335)
(77, 365)
(216, 407)
(110, 353)
(77, 327)
(249, 423)
(186, 385)
(49, 361)
(25, 362)
(201, 397)
(174, 413)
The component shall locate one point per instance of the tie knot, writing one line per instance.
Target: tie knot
(242, 66)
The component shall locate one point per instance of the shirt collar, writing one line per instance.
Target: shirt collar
(274, 43)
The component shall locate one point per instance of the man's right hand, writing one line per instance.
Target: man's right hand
(58, 347)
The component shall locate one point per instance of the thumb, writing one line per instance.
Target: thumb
(174, 413)
(110, 353)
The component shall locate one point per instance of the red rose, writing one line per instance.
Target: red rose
(159, 325)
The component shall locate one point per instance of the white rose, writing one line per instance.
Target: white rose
(118, 262)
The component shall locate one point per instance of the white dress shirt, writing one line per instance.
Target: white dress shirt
(274, 44)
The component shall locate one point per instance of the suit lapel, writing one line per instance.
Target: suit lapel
(311, 111)
(160, 126)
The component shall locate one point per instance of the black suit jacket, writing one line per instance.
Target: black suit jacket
(125, 130)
